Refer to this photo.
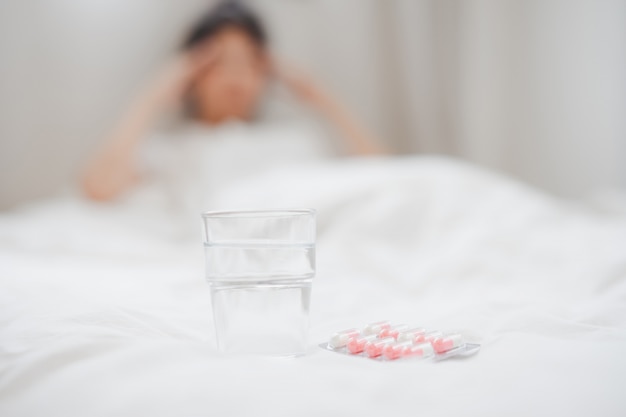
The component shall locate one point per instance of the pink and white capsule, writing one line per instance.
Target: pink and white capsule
(423, 350)
(445, 343)
(376, 327)
(374, 348)
(427, 337)
(411, 334)
(341, 339)
(394, 350)
(357, 344)
(393, 331)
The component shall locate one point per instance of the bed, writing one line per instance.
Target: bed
(104, 310)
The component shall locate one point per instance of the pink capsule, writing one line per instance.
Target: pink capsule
(427, 337)
(393, 331)
(341, 339)
(374, 348)
(357, 344)
(411, 334)
(394, 350)
(376, 327)
(445, 343)
(422, 350)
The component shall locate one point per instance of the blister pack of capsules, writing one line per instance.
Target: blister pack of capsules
(384, 340)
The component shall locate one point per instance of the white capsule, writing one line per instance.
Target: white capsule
(341, 339)
(376, 327)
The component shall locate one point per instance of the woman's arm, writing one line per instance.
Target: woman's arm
(113, 169)
(357, 139)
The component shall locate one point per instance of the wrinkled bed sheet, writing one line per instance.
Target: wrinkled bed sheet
(104, 310)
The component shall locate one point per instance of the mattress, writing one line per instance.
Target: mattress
(104, 310)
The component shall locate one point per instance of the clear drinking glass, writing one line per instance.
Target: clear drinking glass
(260, 266)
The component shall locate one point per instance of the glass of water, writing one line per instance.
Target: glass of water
(260, 266)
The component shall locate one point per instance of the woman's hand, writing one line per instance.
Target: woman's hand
(169, 88)
(113, 169)
(356, 139)
(302, 86)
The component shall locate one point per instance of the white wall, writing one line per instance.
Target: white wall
(67, 68)
(534, 88)
(573, 132)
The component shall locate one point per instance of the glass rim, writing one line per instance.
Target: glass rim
(257, 213)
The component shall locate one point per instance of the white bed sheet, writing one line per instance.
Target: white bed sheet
(104, 310)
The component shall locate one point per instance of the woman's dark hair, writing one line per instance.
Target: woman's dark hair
(226, 14)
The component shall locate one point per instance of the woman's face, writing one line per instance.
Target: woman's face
(232, 85)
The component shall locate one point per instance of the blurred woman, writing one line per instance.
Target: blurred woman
(221, 75)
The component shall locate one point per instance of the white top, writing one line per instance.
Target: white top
(198, 161)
